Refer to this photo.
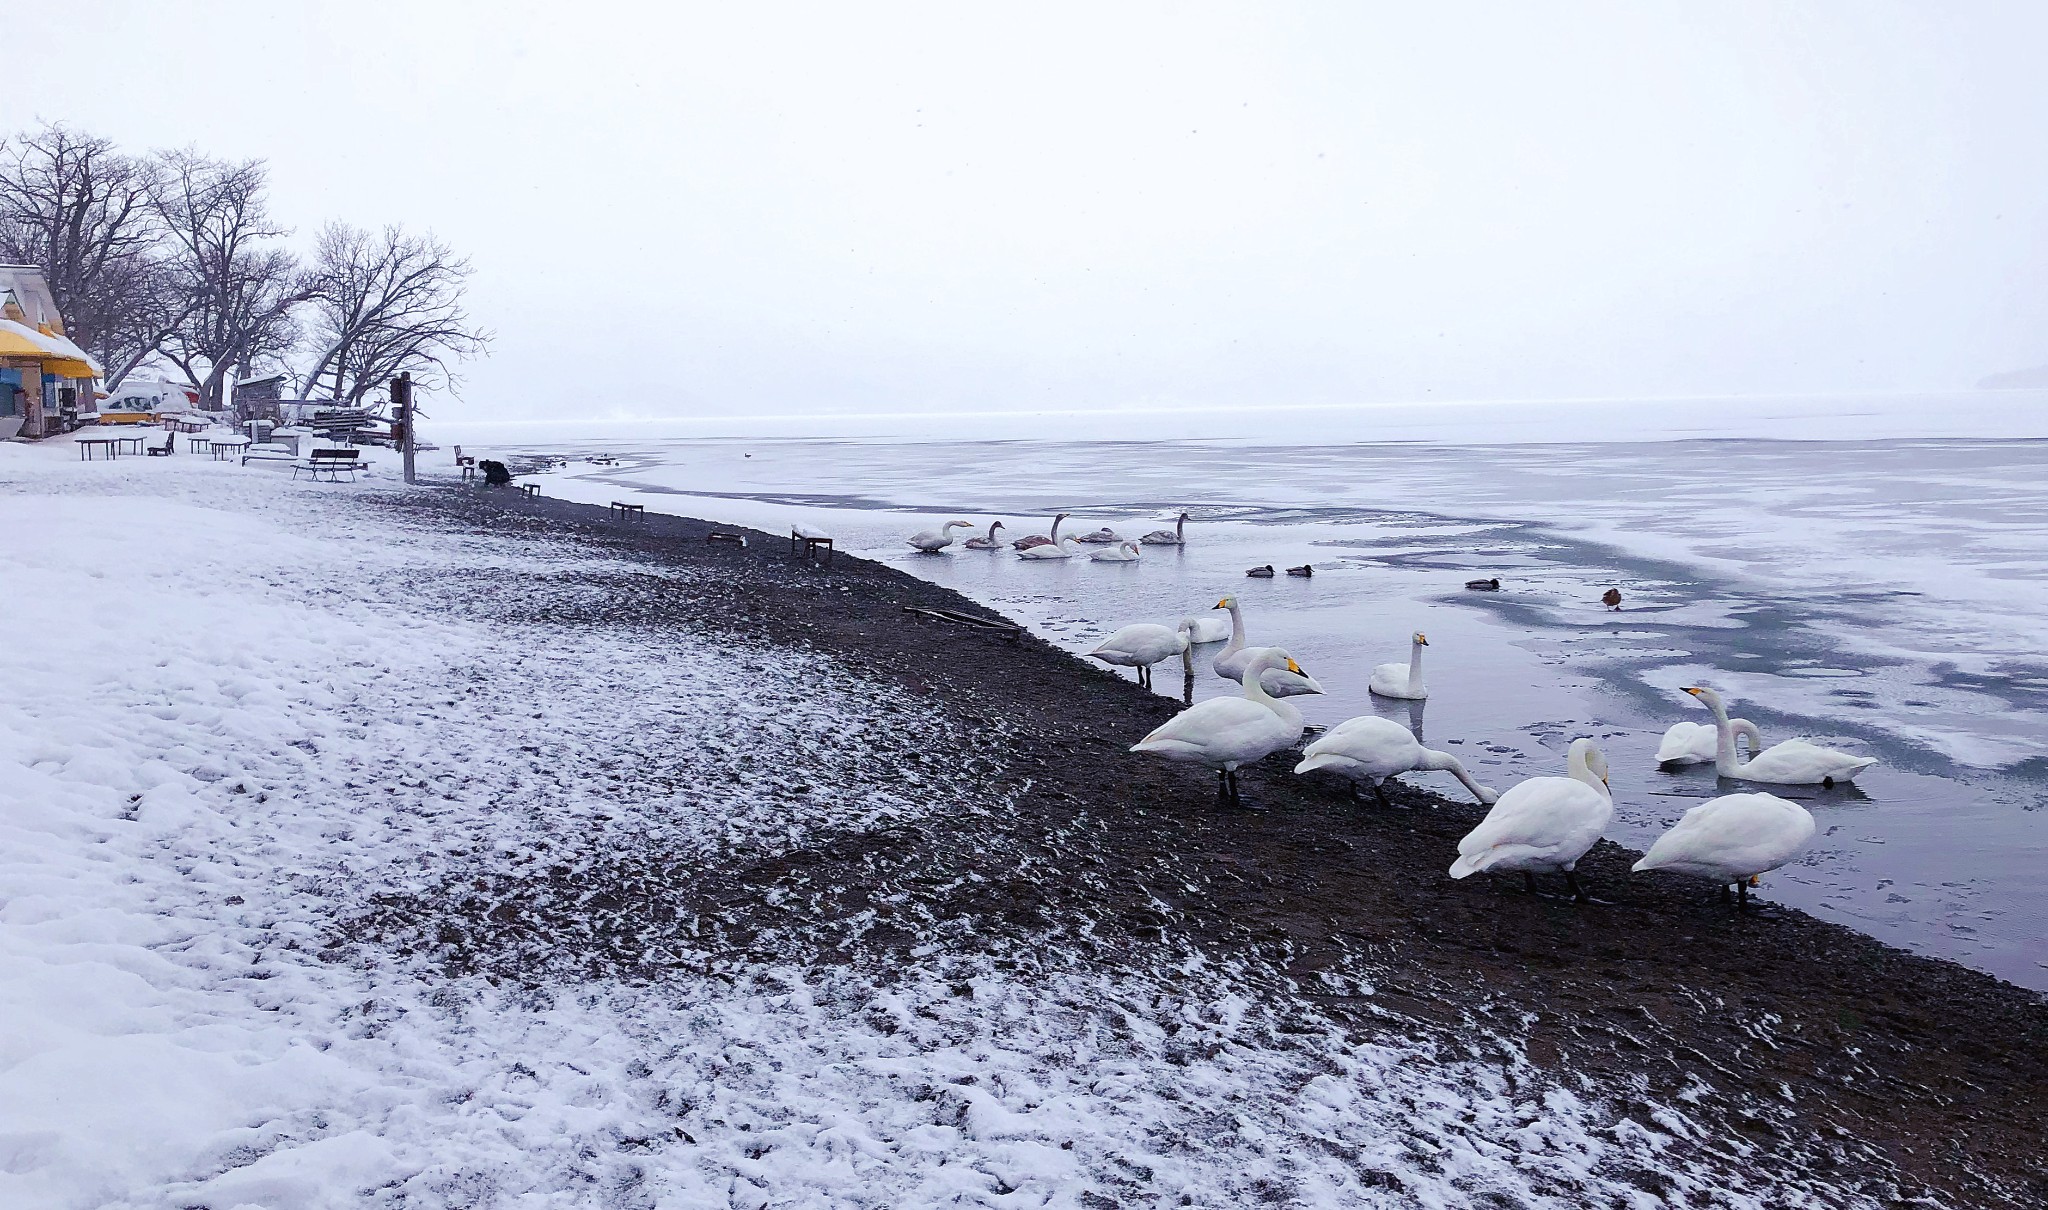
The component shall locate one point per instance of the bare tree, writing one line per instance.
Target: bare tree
(242, 285)
(382, 303)
(81, 211)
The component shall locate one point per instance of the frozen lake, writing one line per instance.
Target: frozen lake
(1883, 595)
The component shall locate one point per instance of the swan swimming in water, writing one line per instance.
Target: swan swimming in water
(1207, 629)
(1168, 537)
(1403, 681)
(1543, 825)
(1732, 839)
(933, 541)
(1026, 543)
(1697, 743)
(1230, 662)
(988, 543)
(1066, 549)
(1371, 749)
(1124, 552)
(1226, 732)
(1101, 537)
(1792, 763)
(1144, 645)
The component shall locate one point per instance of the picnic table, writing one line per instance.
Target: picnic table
(127, 441)
(224, 448)
(88, 447)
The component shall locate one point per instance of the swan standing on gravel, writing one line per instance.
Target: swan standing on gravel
(1543, 825)
(988, 543)
(1696, 743)
(1144, 645)
(1026, 543)
(1399, 680)
(1732, 839)
(1126, 552)
(1226, 732)
(933, 541)
(1371, 749)
(1230, 662)
(1792, 763)
(1168, 537)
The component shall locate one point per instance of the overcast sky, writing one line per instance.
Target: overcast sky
(744, 209)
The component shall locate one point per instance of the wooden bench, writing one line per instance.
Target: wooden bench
(531, 489)
(731, 539)
(807, 541)
(330, 463)
(629, 512)
(164, 450)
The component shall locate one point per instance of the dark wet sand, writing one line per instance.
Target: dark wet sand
(1887, 1074)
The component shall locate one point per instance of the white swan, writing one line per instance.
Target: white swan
(931, 541)
(988, 543)
(1226, 732)
(1402, 680)
(1125, 552)
(1066, 548)
(1026, 543)
(1371, 749)
(1732, 839)
(1167, 537)
(1207, 629)
(1230, 662)
(1545, 824)
(1696, 743)
(1792, 763)
(1144, 645)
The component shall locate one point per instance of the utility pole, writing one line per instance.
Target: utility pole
(401, 403)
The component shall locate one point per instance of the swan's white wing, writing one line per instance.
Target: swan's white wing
(1798, 763)
(1369, 745)
(1733, 837)
(1145, 642)
(1221, 730)
(1278, 682)
(1391, 680)
(1687, 744)
(1209, 629)
(1552, 819)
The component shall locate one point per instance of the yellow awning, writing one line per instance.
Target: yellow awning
(20, 340)
(69, 367)
(68, 351)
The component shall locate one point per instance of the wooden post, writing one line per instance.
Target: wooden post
(401, 403)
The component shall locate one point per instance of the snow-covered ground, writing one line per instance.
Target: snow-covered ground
(238, 713)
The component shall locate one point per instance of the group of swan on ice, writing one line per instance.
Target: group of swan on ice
(1543, 825)
(1052, 546)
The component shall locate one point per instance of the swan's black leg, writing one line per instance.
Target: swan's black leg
(1579, 895)
(1529, 883)
(1725, 896)
(1742, 895)
(1380, 789)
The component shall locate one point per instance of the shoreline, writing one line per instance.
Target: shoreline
(1905, 1056)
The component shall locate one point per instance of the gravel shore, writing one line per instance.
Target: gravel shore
(1810, 1057)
